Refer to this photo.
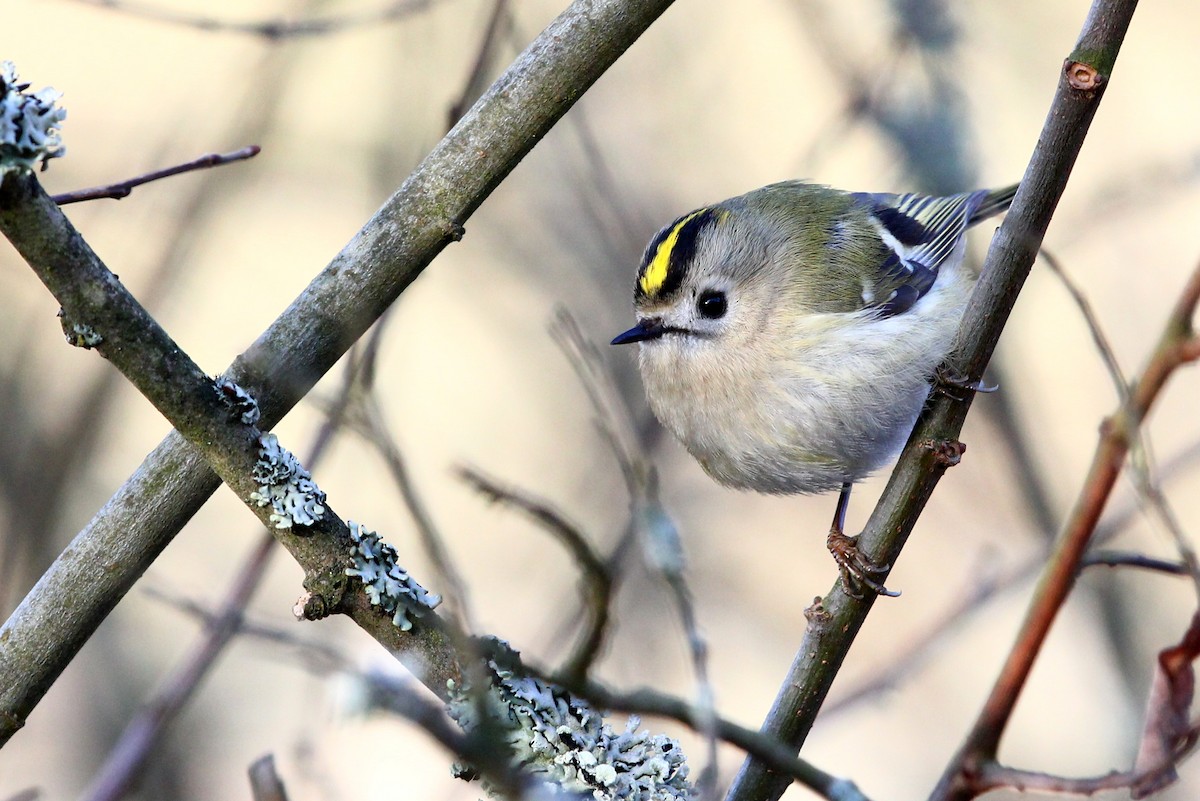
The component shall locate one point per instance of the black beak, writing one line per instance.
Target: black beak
(649, 328)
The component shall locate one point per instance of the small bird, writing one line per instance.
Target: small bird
(790, 336)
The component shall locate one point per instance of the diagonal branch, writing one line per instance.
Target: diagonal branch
(391, 250)
(1118, 435)
(833, 623)
(98, 312)
(124, 188)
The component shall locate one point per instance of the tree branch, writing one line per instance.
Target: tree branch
(833, 623)
(1118, 434)
(414, 225)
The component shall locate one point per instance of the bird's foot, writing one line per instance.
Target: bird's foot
(858, 571)
(951, 383)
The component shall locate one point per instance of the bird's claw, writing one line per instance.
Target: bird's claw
(857, 570)
(949, 383)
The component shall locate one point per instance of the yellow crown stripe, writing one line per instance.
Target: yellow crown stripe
(655, 274)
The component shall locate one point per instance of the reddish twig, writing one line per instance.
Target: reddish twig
(994, 776)
(122, 189)
(1176, 347)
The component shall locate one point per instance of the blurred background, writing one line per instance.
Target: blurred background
(717, 98)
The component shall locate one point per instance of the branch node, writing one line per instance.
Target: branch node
(311, 606)
(946, 452)
(1082, 77)
(817, 614)
(325, 591)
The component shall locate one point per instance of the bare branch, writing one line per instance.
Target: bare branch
(124, 188)
(270, 29)
(828, 637)
(73, 597)
(595, 575)
(1118, 435)
(1128, 559)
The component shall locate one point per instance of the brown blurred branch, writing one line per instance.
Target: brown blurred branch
(1177, 346)
(415, 224)
(124, 188)
(836, 621)
(995, 777)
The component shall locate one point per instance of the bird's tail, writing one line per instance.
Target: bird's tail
(992, 203)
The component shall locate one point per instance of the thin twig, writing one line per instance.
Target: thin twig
(270, 29)
(594, 573)
(451, 584)
(1154, 503)
(612, 414)
(1092, 320)
(485, 55)
(318, 657)
(993, 776)
(1096, 558)
(124, 188)
(659, 533)
(1142, 471)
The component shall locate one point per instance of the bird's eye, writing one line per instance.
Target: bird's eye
(712, 304)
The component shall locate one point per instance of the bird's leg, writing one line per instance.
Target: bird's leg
(857, 570)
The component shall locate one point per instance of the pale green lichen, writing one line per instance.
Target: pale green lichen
(560, 738)
(241, 403)
(28, 123)
(286, 486)
(387, 585)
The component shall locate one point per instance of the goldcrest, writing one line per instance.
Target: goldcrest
(789, 336)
